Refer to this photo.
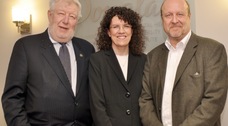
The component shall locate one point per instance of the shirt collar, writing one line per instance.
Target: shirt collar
(55, 42)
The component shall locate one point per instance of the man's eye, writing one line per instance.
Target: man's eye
(180, 15)
(168, 15)
(73, 17)
(61, 14)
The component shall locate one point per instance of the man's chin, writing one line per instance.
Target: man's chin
(175, 34)
(65, 37)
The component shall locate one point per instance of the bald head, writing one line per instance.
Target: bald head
(167, 2)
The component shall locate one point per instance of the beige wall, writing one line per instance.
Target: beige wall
(9, 34)
(211, 18)
(212, 21)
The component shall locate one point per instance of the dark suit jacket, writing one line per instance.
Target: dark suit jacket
(37, 91)
(200, 86)
(114, 101)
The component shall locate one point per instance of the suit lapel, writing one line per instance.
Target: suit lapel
(113, 63)
(133, 61)
(162, 64)
(80, 58)
(49, 53)
(186, 57)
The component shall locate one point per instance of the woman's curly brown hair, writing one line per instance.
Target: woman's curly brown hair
(137, 42)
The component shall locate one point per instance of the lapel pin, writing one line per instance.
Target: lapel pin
(81, 55)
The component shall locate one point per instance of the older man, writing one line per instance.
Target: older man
(42, 89)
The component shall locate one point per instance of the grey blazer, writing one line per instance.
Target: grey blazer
(37, 91)
(200, 87)
(114, 101)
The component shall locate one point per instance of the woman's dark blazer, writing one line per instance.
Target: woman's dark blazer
(114, 101)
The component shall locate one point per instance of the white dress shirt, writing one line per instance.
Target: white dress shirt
(173, 61)
(73, 61)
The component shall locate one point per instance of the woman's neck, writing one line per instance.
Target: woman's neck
(121, 51)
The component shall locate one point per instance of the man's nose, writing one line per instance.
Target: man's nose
(174, 19)
(66, 19)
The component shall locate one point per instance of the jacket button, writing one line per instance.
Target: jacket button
(128, 94)
(128, 112)
(75, 123)
(76, 104)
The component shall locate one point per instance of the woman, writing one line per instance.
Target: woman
(115, 72)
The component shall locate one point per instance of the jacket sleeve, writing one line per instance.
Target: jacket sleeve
(215, 83)
(97, 98)
(147, 109)
(13, 98)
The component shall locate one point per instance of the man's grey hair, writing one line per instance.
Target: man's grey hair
(53, 2)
